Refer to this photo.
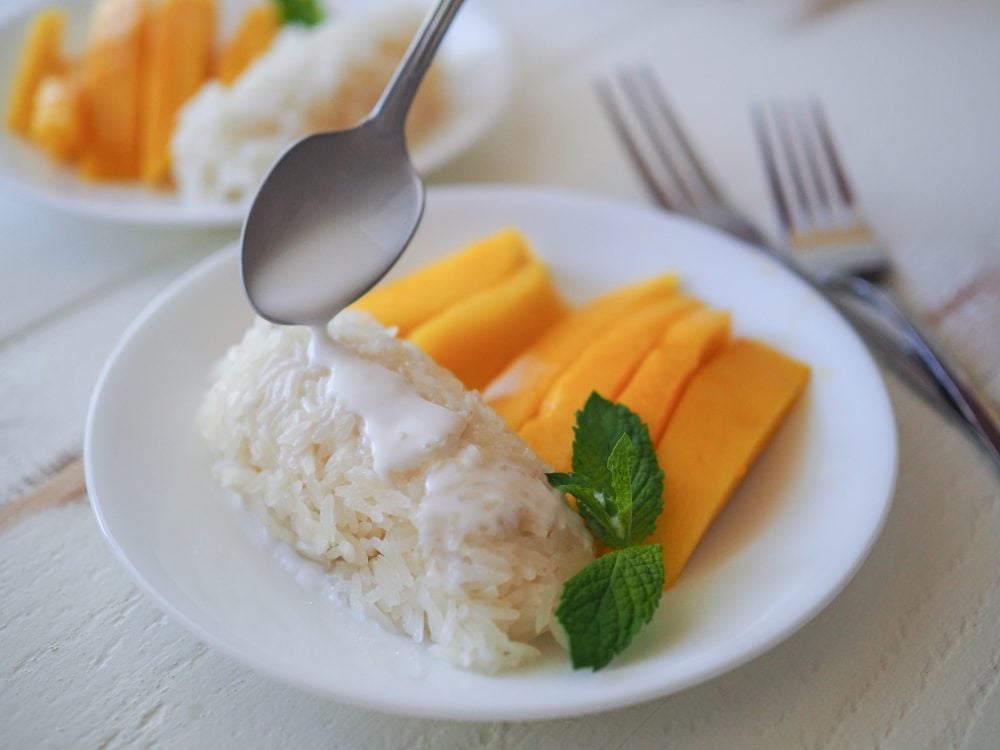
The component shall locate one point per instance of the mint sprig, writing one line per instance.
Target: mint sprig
(605, 604)
(618, 511)
(306, 12)
(618, 486)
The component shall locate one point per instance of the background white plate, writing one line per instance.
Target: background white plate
(474, 57)
(793, 535)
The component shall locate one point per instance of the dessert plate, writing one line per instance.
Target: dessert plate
(797, 529)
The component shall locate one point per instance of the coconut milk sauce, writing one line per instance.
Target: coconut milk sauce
(467, 496)
(399, 425)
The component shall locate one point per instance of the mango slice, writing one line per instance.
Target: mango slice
(253, 38)
(414, 299)
(727, 415)
(111, 89)
(177, 59)
(56, 118)
(476, 337)
(41, 56)
(518, 391)
(605, 366)
(656, 387)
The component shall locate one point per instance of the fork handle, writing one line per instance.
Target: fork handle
(892, 347)
(949, 385)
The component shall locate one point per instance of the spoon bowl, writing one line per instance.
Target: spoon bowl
(329, 221)
(338, 209)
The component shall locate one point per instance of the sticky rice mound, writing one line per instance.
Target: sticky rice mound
(467, 551)
(311, 80)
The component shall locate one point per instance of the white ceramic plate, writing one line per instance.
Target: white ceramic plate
(793, 535)
(474, 57)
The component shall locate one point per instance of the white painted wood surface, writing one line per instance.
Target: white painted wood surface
(908, 656)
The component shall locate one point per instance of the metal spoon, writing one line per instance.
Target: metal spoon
(338, 209)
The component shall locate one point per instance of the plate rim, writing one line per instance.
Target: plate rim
(388, 703)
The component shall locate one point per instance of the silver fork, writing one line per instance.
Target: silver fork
(811, 193)
(678, 181)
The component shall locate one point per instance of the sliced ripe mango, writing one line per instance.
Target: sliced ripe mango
(518, 391)
(112, 67)
(40, 57)
(605, 366)
(414, 299)
(253, 38)
(728, 413)
(657, 385)
(177, 59)
(56, 120)
(475, 338)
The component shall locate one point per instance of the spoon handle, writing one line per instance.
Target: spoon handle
(391, 109)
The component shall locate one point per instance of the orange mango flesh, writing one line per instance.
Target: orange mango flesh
(656, 387)
(56, 117)
(115, 111)
(727, 415)
(605, 366)
(415, 299)
(477, 336)
(111, 89)
(41, 56)
(518, 391)
(252, 39)
(176, 61)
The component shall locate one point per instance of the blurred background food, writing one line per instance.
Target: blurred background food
(161, 94)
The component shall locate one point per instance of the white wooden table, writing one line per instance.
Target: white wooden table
(908, 656)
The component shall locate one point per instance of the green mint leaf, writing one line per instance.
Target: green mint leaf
(593, 504)
(306, 12)
(599, 427)
(605, 604)
(620, 468)
(647, 487)
(599, 424)
(618, 485)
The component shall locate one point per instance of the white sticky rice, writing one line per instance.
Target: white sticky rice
(327, 77)
(468, 551)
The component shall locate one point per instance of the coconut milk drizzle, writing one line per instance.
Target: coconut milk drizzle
(399, 425)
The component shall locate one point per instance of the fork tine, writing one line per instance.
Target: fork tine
(650, 131)
(806, 134)
(786, 142)
(659, 98)
(810, 191)
(651, 134)
(611, 109)
(826, 141)
(760, 129)
(632, 85)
